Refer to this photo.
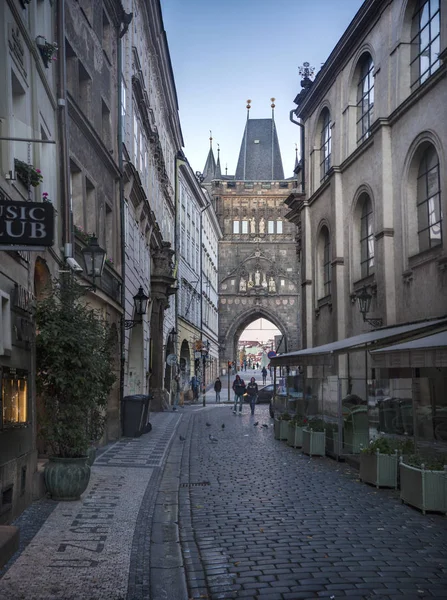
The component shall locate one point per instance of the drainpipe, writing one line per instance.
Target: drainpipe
(67, 217)
(301, 125)
(126, 19)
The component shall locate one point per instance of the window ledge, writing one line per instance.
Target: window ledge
(325, 301)
(426, 256)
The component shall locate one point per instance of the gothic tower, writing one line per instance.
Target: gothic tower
(259, 275)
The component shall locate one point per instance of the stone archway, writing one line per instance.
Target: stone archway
(228, 343)
(185, 364)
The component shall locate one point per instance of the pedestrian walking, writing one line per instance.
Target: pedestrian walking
(264, 375)
(252, 391)
(217, 388)
(175, 392)
(195, 387)
(239, 391)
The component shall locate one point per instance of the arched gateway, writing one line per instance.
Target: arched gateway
(259, 272)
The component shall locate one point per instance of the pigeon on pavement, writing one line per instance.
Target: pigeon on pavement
(223, 425)
(265, 425)
(256, 424)
(181, 438)
(208, 424)
(213, 439)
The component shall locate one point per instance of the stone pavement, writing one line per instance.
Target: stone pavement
(245, 517)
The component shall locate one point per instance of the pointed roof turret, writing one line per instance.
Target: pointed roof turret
(260, 156)
(218, 173)
(296, 157)
(209, 170)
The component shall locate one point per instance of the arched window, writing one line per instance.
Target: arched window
(366, 238)
(425, 41)
(325, 144)
(365, 98)
(429, 201)
(324, 264)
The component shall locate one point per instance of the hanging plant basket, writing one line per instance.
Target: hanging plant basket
(27, 174)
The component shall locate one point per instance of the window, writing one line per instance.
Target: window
(14, 397)
(84, 90)
(271, 227)
(235, 226)
(366, 238)
(244, 227)
(5, 324)
(324, 264)
(429, 201)
(365, 98)
(105, 114)
(325, 145)
(278, 226)
(425, 41)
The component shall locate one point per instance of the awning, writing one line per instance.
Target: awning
(322, 355)
(427, 351)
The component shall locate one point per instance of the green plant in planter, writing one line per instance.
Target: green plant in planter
(388, 445)
(74, 369)
(316, 424)
(431, 462)
(27, 174)
(285, 417)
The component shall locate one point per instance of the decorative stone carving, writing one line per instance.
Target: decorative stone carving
(262, 225)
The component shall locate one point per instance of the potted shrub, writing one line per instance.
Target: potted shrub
(314, 436)
(423, 482)
(378, 462)
(295, 431)
(74, 375)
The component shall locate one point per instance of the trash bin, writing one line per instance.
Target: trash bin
(136, 411)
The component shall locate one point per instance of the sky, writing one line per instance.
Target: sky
(226, 52)
(260, 330)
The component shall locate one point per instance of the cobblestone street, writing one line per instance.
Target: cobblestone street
(255, 519)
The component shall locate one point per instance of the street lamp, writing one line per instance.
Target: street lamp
(94, 258)
(364, 300)
(140, 301)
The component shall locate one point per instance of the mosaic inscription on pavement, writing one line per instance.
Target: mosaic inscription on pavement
(86, 545)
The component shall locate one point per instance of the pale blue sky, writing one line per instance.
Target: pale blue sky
(224, 52)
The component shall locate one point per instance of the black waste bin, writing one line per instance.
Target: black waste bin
(136, 410)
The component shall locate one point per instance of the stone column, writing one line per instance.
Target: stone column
(162, 286)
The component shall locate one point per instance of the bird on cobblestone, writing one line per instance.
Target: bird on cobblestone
(265, 425)
(208, 424)
(181, 438)
(223, 425)
(213, 439)
(256, 424)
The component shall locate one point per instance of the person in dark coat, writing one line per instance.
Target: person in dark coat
(217, 388)
(239, 391)
(264, 375)
(252, 391)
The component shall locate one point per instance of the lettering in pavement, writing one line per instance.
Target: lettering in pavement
(90, 528)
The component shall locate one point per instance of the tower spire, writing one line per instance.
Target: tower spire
(211, 140)
(218, 171)
(272, 100)
(248, 109)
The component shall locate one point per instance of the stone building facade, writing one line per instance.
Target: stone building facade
(151, 140)
(197, 240)
(372, 211)
(90, 45)
(28, 111)
(259, 275)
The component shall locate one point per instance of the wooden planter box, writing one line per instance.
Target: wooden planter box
(295, 436)
(379, 469)
(424, 489)
(284, 430)
(332, 442)
(277, 429)
(314, 442)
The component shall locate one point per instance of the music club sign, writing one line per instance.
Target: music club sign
(26, 223)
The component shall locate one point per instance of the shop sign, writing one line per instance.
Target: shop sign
(26, 223)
